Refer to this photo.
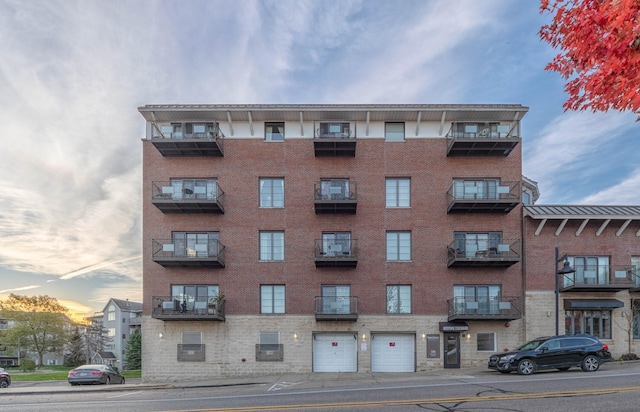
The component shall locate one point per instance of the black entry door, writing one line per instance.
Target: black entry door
(452, 350)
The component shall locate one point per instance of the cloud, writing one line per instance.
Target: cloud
(624, 193)
(20, 289)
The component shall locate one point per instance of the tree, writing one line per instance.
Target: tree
(600, 52)
(76, 352)
(134, 350)
(40, 323)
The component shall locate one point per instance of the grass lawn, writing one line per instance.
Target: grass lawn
(54, 373)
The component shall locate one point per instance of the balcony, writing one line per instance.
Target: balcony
(177, 199)
(504, 308)
(482, 254)
(600, 278)
(175, 253)
(336, 308)
(188, 139)
(483, 196)
(335, 139)
(481, 139)
(336, 254)
(168, 308)
(338, 198)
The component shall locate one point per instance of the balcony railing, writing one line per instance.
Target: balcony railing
(482, 139)
(465, 253)
(335, 139)
(205, 142)
(336, 199)
(172, 252)
(600, 278)
(483, 196)
(202, 309)
(175, 199)
(336, 253)
(336, 308)
(499, 308)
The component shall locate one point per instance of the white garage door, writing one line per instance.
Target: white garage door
(335, 353)
(393, 353)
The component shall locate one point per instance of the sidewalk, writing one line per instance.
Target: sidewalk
(275, 382)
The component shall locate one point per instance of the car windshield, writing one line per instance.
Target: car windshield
(531, 345)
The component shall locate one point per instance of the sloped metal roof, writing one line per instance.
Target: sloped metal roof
(582, 212)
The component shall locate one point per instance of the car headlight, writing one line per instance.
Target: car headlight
(506, 358)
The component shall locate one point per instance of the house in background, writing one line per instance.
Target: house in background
(119, 319)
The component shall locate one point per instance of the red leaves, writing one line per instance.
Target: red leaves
(600, 52)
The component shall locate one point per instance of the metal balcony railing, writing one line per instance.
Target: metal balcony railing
(336, 252)
(188, 139)
(175, 308)
(336, 308)
(483, 196)
(334, 138)
(172, 252)
(498, 308)
(465, 253)
(338, 196)
(482, 139)
(170, 197)
(600, 278)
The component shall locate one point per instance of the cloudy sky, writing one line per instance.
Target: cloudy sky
(73, 73)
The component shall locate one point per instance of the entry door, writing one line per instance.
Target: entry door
(452, 350)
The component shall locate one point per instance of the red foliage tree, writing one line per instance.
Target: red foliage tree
(599, 42)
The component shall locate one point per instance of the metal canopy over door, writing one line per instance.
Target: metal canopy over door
(393, 352)
(335, 352)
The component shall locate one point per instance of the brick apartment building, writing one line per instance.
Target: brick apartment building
(348, 238)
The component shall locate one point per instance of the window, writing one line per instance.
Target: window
(201, 245)
(193, 189)
(592, 322)
(590, 270)
(398, 192)
(111, 332)
(486, 342)
(336, 299)
(472, 245)
(272, 192)
(191, 338)
(274, 131)
(476, 189)
(272, 246)
(394, 132)
(111, 313)
(272, 299)
(479, 130)
(336, 244)
(269, 340)
(188, 295)
(399, 299)
(124, 336)
(334, 189)
(477, 300)
(398, 246)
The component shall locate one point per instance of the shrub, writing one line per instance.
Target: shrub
(629, 356)
(27, 365)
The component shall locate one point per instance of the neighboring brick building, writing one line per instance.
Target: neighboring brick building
(343, 237)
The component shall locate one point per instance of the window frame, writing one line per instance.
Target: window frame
(275, 291)
(585, 324)
(268, 251)
(397, 307)
(270, 136)
(398, 247)
(493, 342)
(394, 198)
(270, 200)
(393, 135)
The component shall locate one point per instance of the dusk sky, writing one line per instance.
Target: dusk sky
(73, 73)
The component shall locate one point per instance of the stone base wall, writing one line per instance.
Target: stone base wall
(230, 345)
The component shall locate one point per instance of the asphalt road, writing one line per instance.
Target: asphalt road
(614, 387)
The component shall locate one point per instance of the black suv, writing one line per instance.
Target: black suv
(553, 352)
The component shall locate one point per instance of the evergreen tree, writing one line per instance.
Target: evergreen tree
(134, 351)
(76, 350)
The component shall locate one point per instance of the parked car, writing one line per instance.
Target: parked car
(553, 352)
(93, 374)
(5, 379)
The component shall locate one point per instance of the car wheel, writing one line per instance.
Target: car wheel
(526, 367)
(108, 381)
(563, 369)
(4, 384)
(590, 363)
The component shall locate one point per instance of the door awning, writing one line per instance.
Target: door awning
(592, 304)
(453, 327)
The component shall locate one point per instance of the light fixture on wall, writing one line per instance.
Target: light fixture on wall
(160, 335)
(424, 336)
(364, 337)
(295, 336)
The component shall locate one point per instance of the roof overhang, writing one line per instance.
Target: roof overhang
(604, 215)
(592, 304)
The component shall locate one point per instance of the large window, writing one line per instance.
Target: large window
(271, 192)
(194, 188)
(335, 189)
(272, 299)
(398, 192)
(398, 246)
(477, 300)
(336, 244)
(590, 270)
(272, 246)
(592, 322)
(194, 297)
(473, 245)
(336, 299)
(202, 245)
(274, 131)
(486, 342)
(399, 299)
(394, 132)
(476, 189)
(111, 313)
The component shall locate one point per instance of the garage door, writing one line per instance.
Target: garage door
(393, 353)
(335, 353)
